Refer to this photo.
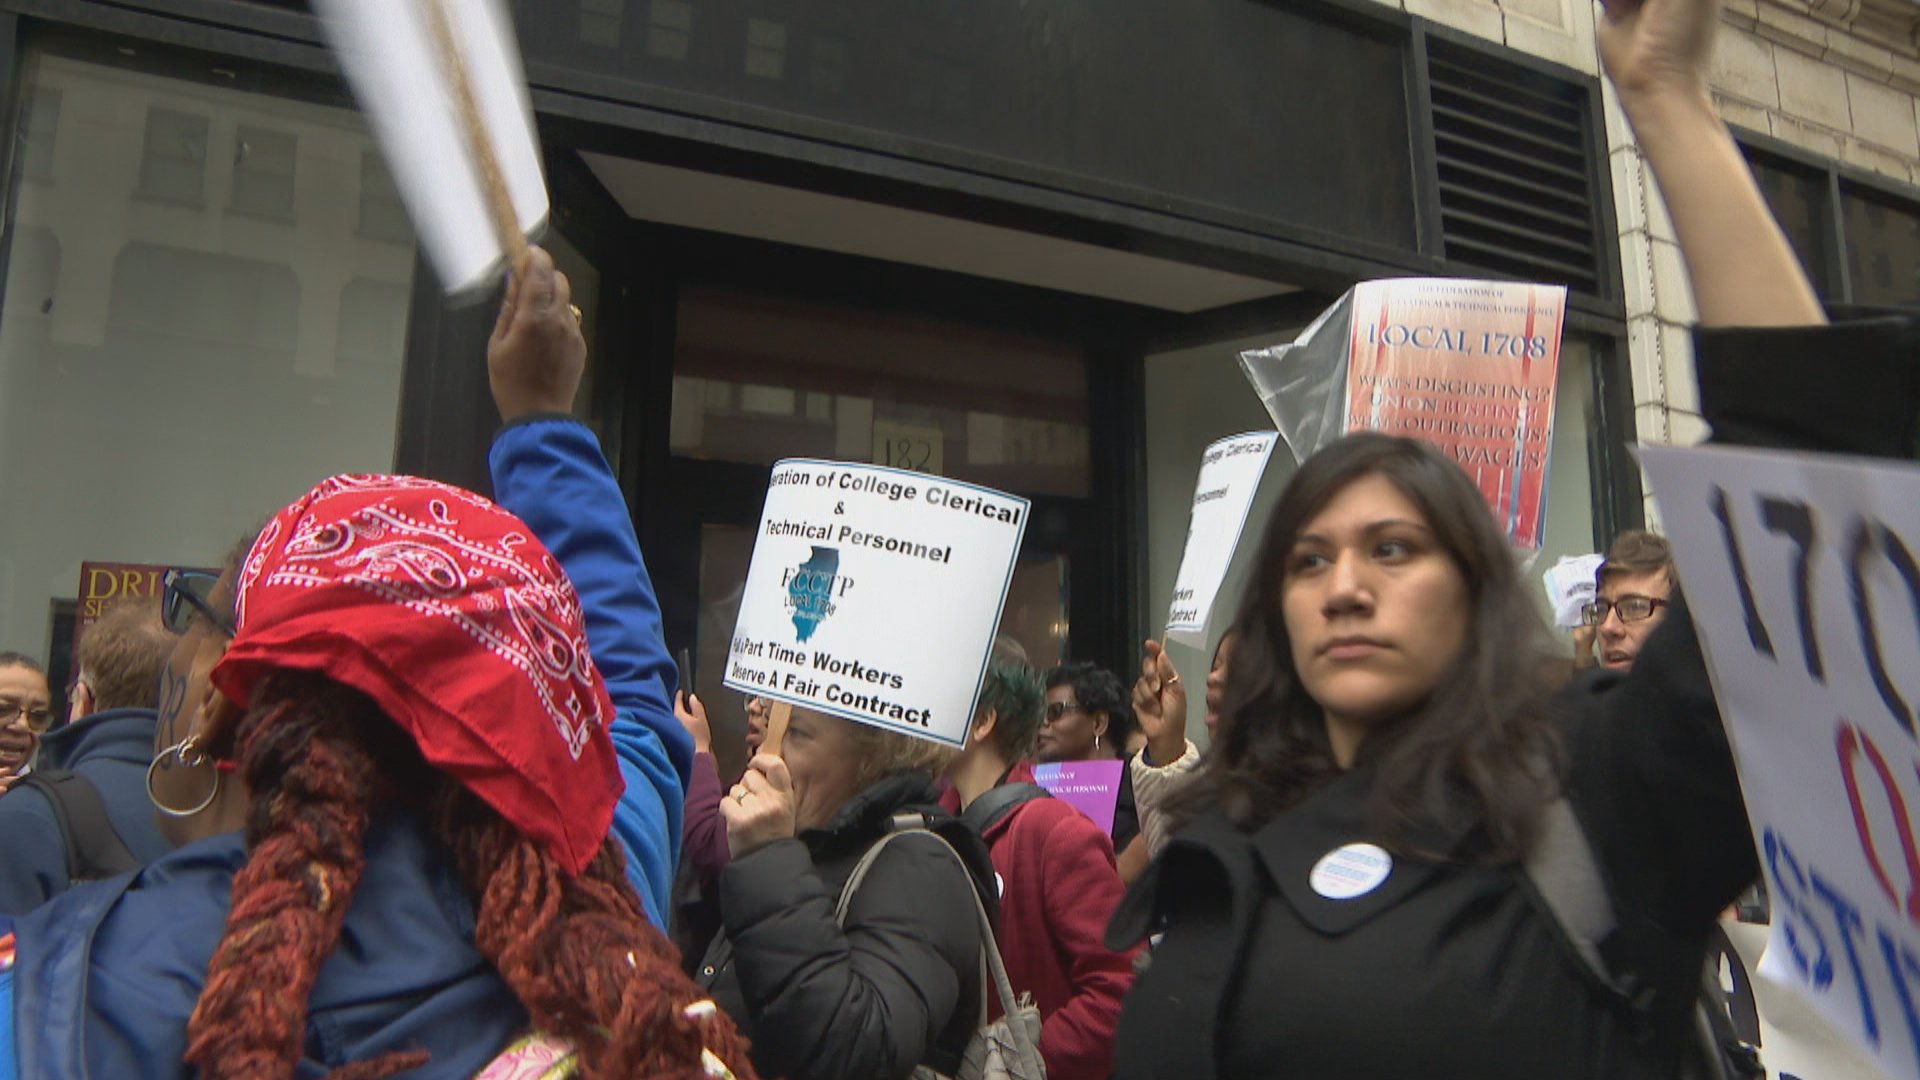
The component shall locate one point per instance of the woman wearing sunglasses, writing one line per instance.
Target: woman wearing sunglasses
(450, 822)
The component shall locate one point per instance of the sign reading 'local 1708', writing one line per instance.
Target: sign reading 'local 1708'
(1803, 576)
(874, 594)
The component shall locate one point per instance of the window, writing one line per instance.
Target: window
(173, 161)
(828, 73)
(766, 48)
(669, 29)
(600, 22)
(1883, 247)
(1867, 227)
(1798, 197)
(161, 395)
(263, 166)
(382, 215)
(37, 127)
(759, 378)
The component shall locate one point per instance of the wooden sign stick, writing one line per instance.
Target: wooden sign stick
(777, 719)
(506, 224)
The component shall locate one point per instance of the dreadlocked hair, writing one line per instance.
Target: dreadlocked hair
(580, 955)
(321, 760)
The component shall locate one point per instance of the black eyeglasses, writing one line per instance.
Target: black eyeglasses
(1631, 609)
(36, 718)
(1058, 709)
(184, 592)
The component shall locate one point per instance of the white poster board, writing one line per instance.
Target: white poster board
(874, 595)
(1801, 574)
(1230, 472)
(1795, 1044)
(1571, 586)
(399, 74)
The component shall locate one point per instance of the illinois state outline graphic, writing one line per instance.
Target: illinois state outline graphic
(810, 590)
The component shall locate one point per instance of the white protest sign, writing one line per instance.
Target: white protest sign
(402, 72)
(1802, 577)
(1795, 1044)
(874, 594)
(1570, 587)
(1230, 472)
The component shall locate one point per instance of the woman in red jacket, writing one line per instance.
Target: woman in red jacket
(1058, 883)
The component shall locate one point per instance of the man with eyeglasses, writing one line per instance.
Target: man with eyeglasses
(1632, 590)
(24, 701)
(83, 814)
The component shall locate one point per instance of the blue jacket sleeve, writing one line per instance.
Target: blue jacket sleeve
(9, 1068)
(33, 859)
(550, 472)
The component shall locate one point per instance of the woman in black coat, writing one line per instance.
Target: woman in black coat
(899, 986)
(1346, 898)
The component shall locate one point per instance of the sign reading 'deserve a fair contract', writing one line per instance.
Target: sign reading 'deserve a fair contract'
(874, 594)
(1230, 472)
(1803, 575)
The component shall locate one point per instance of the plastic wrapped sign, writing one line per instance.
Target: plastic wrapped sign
(1469, 366)
(442, 88)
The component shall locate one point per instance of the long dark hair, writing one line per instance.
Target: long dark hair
(1479, 745)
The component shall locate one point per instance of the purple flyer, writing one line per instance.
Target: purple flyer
(1091, 787)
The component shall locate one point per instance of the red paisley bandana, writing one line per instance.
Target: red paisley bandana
(446, 611)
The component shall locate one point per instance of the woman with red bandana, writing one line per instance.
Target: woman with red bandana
(438, 792)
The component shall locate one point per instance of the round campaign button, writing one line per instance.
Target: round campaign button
(1350, 870)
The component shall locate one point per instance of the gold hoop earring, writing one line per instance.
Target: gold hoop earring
(187, 754)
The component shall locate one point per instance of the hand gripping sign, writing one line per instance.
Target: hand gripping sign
(1469, 366)
(1230, 472)
(442, 88)
(874, 594)
(1803, 575)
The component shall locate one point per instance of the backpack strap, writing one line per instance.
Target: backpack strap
(94, 847)
(1565, 878)
(986, 811)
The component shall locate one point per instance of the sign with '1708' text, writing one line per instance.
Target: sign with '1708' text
(1803, 575)
(874, 594)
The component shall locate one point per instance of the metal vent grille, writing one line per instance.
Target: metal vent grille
(1514, 153)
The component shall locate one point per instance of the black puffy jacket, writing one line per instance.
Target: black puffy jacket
(898, 987)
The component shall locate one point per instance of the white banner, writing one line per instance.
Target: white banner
(874, 594)
(1794, 1043)
(1230, 472)
(399, 73)
(1801, 572)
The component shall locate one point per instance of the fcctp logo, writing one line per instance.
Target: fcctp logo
(812, 589)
